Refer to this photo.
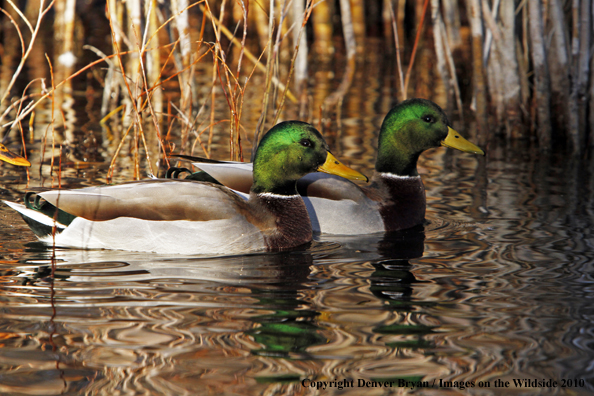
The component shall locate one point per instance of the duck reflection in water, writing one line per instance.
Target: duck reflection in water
(278, 293)
(392, 281)
(288, 329)
(274, 280)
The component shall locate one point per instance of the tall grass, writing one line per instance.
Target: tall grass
(530, 63)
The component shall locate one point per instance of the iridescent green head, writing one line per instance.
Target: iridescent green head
(289, 151)
(410, 128)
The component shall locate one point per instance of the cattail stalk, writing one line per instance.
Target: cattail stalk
(582, 64)
(559, 67)
(351, 49)
(452, 72)
(438, 41)
(153, 63)
(478, 70)
(451, 17)
(510, 72)
(541, 74)
(396, 31)
(300, 43)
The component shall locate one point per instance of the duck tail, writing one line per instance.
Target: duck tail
(40, 221)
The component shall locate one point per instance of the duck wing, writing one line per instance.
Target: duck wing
(339, 206)
(149, 200)
(162, 216)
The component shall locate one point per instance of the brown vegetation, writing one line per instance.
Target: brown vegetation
(530, 64)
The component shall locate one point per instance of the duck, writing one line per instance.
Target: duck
(192, 217)
(393, 200)
(8, 156)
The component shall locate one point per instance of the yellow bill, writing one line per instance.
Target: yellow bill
(335, 167)
(455, 140)
(12, 158)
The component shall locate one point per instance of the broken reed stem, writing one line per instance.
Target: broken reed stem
(266, 97)
(18, 30)
(582, 64)
(154, 60)
(276, 50)
(403, 94)
(214, 77)
(439, 48)
(149, 82)
(186, 79)
(140, 83)
(236, 151)
(351, 49)
(541, 74)
(478, 70)
(489, 18)
(244, 14)
(298, 40)
(137, 115)
(452, 72)
(559, 68)
(51, 123)
(112, 164)
(24, 149)
(512, 87)
(415, 46)
(300, 56)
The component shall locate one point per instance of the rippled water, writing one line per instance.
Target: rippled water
(497, 286)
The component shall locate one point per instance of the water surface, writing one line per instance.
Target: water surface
(496, 286)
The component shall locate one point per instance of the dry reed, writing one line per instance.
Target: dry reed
(523, 85)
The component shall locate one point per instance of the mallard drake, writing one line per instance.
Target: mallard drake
(8, 156)
(394, 199)
(188, 217)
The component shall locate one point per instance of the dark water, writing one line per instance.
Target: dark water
(497, 286)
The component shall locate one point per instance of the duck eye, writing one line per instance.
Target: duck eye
(306, 143)
(428, 119)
